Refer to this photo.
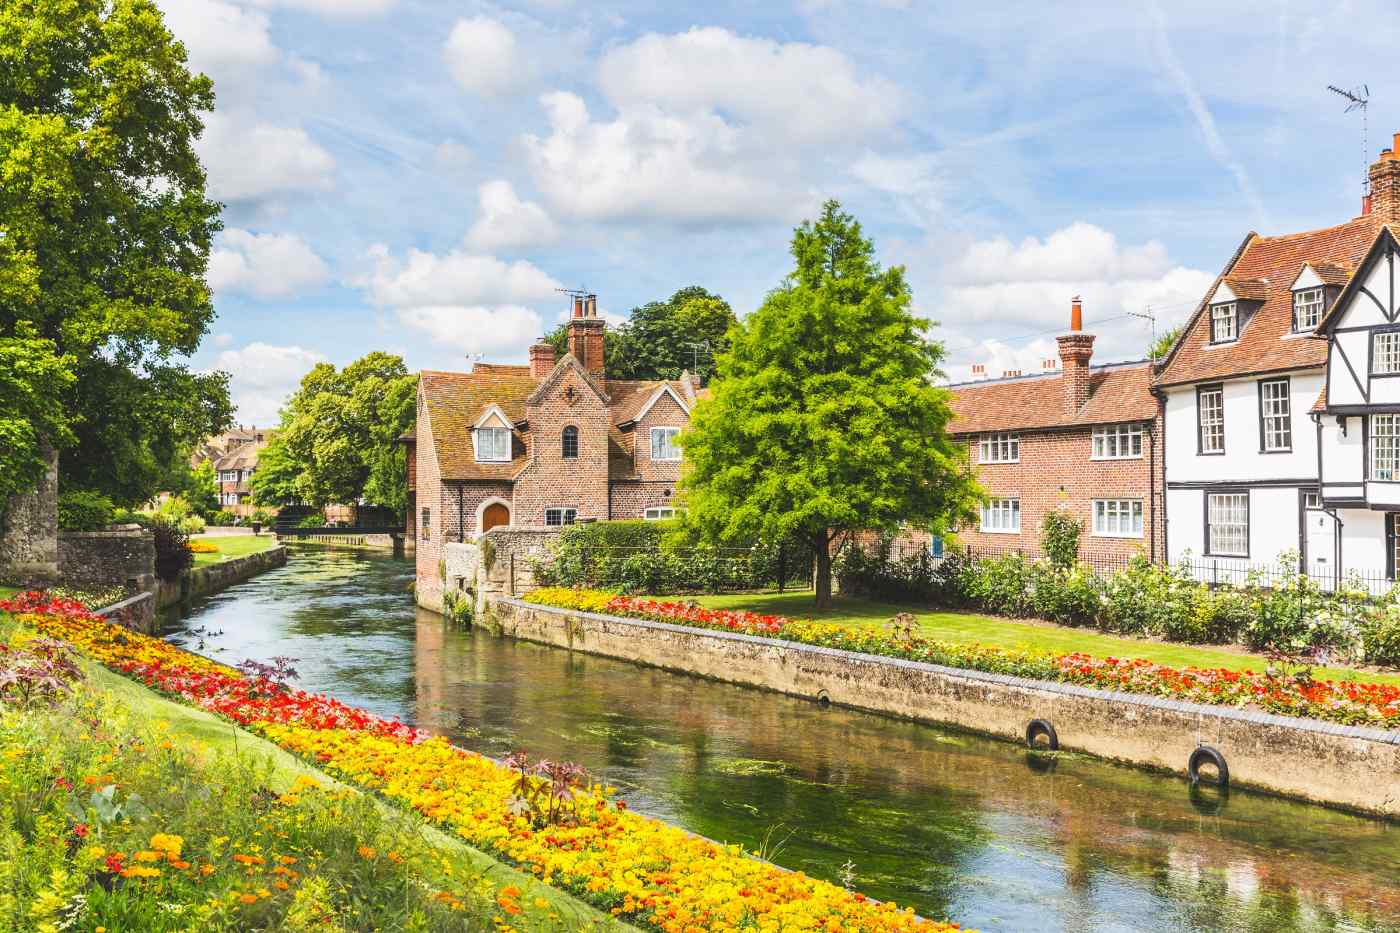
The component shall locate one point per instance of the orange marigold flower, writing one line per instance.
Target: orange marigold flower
(249, 898)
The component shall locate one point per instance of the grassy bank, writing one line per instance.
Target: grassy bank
(233, 546)
(971, 628)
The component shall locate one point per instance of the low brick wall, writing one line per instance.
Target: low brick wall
(212, 578)
(498, 563)
(1352, 767)
(124, 555)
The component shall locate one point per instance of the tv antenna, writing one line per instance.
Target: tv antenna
(1151, 319)
(1357, 99)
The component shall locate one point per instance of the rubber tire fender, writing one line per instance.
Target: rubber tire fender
(1205, 754)
(1042, 727)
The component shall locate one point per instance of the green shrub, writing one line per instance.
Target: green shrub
(173, 555)
(1059, 538)
(1067, 595)
(1380, 636)
(1002, 585)
(222, 517)
(80, 510)
(313, 521)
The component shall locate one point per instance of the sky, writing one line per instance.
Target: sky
(420, 177)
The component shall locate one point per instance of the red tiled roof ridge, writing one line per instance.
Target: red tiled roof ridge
(1117, 393)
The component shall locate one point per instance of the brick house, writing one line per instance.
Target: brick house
(1077, 437)
(545, 444)
(235, 457)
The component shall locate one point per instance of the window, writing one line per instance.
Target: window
(1307, 309)
(1118, 518)
(1001, 516)
(1000, 448)
(1385, 447)
(1227, 524)
(556, 517)
(658, 513)
(663, 444)
(570, 443)
(423, 524)
(1385, 352)
(1275, 428)
(1223, 323)
(1312, 500)
(492, 445)
(1118, 442)
(1210, 419)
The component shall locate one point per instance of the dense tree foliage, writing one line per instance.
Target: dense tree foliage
(662, 339)
(33, 382)
(105, 233)
(338, 439)
(825, 417)
(1163, 344)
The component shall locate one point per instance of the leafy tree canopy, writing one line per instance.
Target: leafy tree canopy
(105, 233)
(33, 381)
(338, 439)
(663, 339)
(1163, 344)
(824, 416)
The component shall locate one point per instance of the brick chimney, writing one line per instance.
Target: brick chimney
(586, 334)
(1384, 176)
(541, 359)
(1076, 348)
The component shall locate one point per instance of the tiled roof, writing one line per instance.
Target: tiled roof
(1248, 289)
(1117, 392)
(1321, 403)
(456, 401)
(1265, 344)
(244, 457)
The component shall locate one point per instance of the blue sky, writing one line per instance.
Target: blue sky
(419, 177)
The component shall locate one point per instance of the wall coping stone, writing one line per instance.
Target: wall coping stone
(124, 604)
(1260, 717)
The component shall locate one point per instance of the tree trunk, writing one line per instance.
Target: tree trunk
(823, 581)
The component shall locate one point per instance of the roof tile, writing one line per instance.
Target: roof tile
(1117, 392)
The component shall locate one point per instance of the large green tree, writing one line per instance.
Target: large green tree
(824, 417)
(338, 438)
(662, 339)
(105, 232)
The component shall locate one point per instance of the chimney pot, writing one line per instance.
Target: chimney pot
(1383, 186)
(1076, 349)
(1076, 314)
(590, 308)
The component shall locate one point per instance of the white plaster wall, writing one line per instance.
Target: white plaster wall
(1343, 387)
(1386, 494)
(1242, 460)
(1363, 541)
(1341, 454)
(1273, 523)
(1385, 391)
(1185, 529)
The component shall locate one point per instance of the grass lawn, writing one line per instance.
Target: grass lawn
(7, 591)
(967, 627)
(234, 546)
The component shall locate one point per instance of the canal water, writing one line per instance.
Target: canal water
(959, 826)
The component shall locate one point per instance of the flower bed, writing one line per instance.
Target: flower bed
(641, 869)
(1336, 701)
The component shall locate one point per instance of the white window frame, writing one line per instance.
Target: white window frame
(1212, 427)
(559, 516)
(1385, 448)
(999, 448)
(1117, 442)
(1385, 352)
(1227, 512)
(659, 513)
(1001, 516)
(1307, 308)
(1117, 518)
(1224, 317)
(663, 440)
(1275, 416)
(491, 453)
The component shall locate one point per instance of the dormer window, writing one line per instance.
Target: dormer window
(1307, 309)
(492, 445)
(1224, 322)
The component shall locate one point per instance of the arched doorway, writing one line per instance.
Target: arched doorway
(496, 514)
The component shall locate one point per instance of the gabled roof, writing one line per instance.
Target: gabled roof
(662, 389)
(1261, 346)
(1247, 289)
(1384, 240)
(1117, 392)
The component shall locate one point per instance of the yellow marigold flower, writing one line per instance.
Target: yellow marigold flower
(167, 843)
(146, 855)
(140, 871)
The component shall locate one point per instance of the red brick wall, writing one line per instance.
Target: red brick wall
(631, 499)
(664, 414)
(553, 482)
(1055, 471)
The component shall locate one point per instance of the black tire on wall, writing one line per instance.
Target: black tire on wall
(1037, 727)
(1204, 754)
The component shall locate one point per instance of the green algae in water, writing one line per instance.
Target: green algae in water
(749, 767)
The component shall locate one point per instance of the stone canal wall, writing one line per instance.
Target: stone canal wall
(122, 555)
(212, 578)
(1352, 767)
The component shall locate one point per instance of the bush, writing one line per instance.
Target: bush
(1069, 596)
(79, 510)
(173, 555)
(313, 521)
(128, 517)
(1059, 538)
(222, 517)
(177, 511)
(1380, 636)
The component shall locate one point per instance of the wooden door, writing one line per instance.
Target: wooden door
(495, 514)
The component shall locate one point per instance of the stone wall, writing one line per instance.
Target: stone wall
(29, 533)
(212, 578)
(1353, 767)
(124, 555)
(496, 564)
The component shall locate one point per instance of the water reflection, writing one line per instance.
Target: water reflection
(955, 824)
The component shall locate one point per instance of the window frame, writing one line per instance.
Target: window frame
(477, 449)
(1135, 510)
(674, 433)
(1233, 317)
(1393, 437)
(647, 516)
(1201, 392)
(1206, 524)
(568, 515)
(425, 524)
(1287, 415)
(1103, 433)
(1299, 298)
(570, 433)
(994, 505)
(995, 442)
(1392, 334)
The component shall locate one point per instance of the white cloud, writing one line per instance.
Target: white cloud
(331, 7)
(710, 127)
(249, 161)
(268, 265)
(507, 222)
(263, 376)
(223, 40)
(1075, 253)
(485, 59)
(496, 331)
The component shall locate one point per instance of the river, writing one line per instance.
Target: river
(959, 826)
